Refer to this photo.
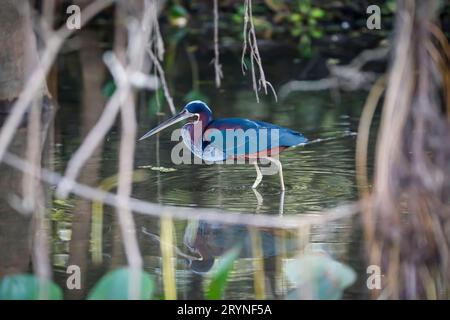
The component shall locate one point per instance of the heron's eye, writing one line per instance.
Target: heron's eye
(197, 118)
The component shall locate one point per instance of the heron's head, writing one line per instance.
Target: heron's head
(193, 112)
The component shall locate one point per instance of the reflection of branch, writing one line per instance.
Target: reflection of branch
(210, 215)
(175, 248)
(36, 80)
(347, 77)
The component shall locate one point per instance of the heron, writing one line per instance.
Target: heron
(219, 140)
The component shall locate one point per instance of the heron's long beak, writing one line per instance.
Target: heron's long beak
(179, 117)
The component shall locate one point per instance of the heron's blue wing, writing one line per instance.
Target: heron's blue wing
(238, 137)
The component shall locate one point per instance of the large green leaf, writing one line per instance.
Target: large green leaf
(317, 276)
(220, 274)
(114, 286)
(26, 287)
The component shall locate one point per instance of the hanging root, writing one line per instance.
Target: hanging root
(155, 50)
(217, 65)
(251, 45)
(407, 213)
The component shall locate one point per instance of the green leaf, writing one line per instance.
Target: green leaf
(114, 286)
(317, 13)
(304, 7)
(109, 88)
(295, 17)
(296, 32)
(316, 33)
(391, 5)
(317, 276)
(305, 47)
(221, 272)
(26, 287)
(177, 11)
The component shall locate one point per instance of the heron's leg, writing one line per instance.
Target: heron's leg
(258, 177)
(280, 170)
(281, 210)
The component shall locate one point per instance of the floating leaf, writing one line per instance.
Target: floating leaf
(319, 277)
(26, 287)
(220, 274)
(114, 286)
(160, 169)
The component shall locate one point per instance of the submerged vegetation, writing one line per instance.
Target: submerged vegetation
(75, 200)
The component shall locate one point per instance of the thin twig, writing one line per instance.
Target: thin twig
(96, 135)
(37, 79)
(156, 39)
(255, 57)
(217, 65)
(91, 142)
(348, 77)
(162, 78)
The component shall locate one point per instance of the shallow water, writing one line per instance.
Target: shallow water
(317, 177)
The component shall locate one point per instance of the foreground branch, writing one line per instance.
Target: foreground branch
(37, 79)
(209, 215)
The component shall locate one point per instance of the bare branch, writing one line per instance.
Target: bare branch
(36, 81)
(162, 77)
(92, 140)
(346, 77)
(186, 213)
(217, 65)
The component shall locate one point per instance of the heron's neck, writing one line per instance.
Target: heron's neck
(204, 120)
(193, 133)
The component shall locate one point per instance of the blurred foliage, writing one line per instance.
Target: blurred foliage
(195, 95)
(109, 88)
(27, 287)
(305, 25)
(220, 274)
(61, 210)
(113, 286)
(296, 21)
(319, 277)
